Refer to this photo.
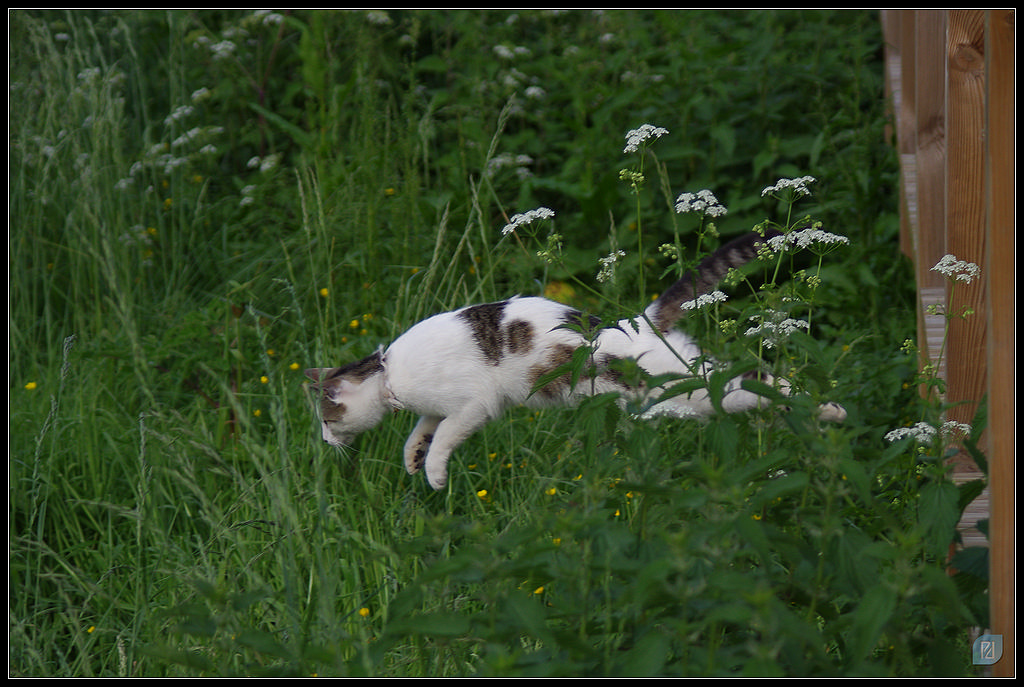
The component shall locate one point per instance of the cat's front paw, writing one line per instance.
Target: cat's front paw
(416, 453)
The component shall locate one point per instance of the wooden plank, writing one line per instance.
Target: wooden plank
(1000, 270)
(898, 32)
(929, 187)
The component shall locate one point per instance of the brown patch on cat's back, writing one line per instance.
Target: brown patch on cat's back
(560, 355)
(520, 337)
(485, 323)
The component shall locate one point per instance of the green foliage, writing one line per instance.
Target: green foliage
(203, 203)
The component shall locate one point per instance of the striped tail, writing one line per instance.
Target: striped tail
(667, 309)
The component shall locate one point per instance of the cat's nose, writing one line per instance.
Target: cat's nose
(328, 435)
(335, 439)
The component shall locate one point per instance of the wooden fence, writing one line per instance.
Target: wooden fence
(950, 77)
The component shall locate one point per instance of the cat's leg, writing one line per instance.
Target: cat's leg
(740, 399)
(418, 443)
(737, 399)
(452, 431)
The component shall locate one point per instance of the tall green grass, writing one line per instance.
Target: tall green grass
(202, 204)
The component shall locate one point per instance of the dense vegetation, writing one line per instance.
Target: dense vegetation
(203, 203)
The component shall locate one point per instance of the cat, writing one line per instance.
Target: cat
(458, 370)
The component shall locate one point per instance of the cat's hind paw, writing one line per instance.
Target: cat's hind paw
(831, 412)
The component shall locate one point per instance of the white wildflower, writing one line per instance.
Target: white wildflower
(638, 136)
(960, 270)
(265, 164)
(222, 50)
(270, 162)
(798, 185)
(247, 196)
(607, 272)
(269, 18)
(703, 202)
(89, 74)
(378, 17)
(525, 218)
(805, 238)
(704, 299)
(921, 432)
(952, 429)
(775, 327)
(179, 113)
(519, 163)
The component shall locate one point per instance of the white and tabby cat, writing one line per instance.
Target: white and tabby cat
(460, 369)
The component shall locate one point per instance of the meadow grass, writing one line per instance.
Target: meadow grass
(203, 204)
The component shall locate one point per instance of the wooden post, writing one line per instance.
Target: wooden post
(1000, 270)
(966, 214)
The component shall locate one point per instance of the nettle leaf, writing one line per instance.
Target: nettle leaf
(939, 513)
(868, 620)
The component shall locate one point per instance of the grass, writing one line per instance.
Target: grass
(202, 204)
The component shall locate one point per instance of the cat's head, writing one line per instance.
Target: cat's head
(351, 399)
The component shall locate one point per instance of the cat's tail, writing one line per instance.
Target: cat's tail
(667, 309)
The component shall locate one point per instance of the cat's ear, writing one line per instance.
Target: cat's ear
(319, 375)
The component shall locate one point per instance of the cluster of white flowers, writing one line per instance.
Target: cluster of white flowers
(222, 50)
(196, 139)
(90, 74)
(703, 300)
(519, 163)
(798, 185)
(179, 113)
(507, 53)
(269, 17)
(703, 202)
(805, 238)
(525, 218)
(265, 164)
(608, 265)
(924, 433)
(637, 136)
(960, 270)
(248, 195)
(776, 327)
(378, 17)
